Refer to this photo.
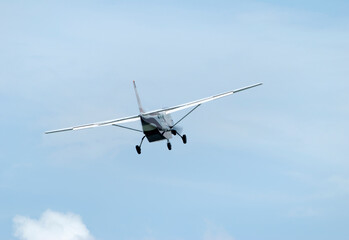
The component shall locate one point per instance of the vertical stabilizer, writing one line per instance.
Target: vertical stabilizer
(138, 100)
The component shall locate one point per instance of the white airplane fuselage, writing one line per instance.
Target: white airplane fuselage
(157, 127)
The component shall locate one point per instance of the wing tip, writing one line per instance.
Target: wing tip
(59, 130)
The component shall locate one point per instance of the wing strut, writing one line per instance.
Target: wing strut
(133, 129)
(186, 115)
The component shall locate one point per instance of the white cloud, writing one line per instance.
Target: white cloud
(51, 226)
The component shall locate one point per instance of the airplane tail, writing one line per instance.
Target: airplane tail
(141, 110)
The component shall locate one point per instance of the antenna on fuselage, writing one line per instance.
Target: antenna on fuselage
(141, 110)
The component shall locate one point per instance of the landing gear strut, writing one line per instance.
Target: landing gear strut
(138, 147)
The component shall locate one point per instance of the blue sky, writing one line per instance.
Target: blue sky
(268, 163)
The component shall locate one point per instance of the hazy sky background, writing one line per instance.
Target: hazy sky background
(267, 163)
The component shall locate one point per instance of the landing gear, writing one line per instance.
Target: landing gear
(184, 137)
(169, 146)
(138, 147)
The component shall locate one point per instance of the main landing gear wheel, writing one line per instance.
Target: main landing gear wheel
(169, 146)
(138, 149)
(184, 139)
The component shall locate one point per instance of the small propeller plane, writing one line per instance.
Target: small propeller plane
(158, 124)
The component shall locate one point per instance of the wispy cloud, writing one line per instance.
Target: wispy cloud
(51, 225)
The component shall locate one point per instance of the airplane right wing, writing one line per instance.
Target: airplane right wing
(200, 101)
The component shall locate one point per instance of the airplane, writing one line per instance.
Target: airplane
(158, 124)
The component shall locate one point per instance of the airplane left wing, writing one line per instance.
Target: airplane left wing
(200, 101)
(97, 124)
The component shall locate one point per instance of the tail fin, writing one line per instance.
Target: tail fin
(138, 100)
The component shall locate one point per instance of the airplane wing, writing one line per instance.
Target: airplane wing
(98, 124)
(200, 101)
(165, 110)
